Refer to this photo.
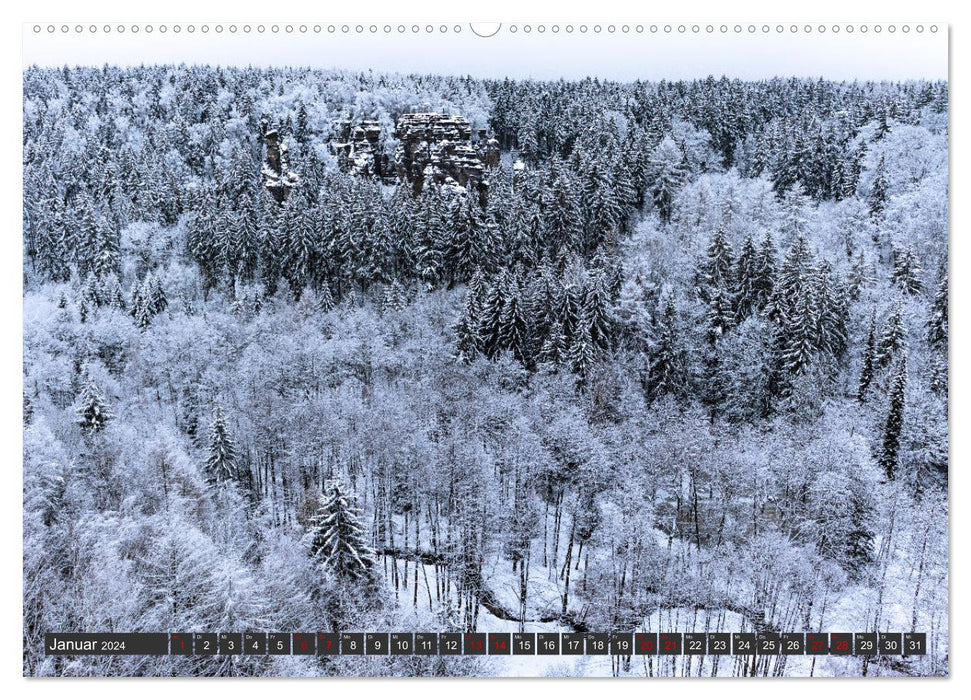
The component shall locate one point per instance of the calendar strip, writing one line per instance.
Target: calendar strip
(488, 644)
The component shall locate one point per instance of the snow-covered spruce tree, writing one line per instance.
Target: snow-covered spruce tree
(564, 219)
(937, 323)
(907, 271)
(202, 236)
(53, 244)
(878, 192)
(148, 300)
(890, 447)
(765, 272)
(513, 329)
(339, 541)
(859, 539)
(831, 294)
(892, 338)
(301, 257)
(717, 269)
(667, 366)
(91, 292)
(243, 254)
(468, 343)
(112, 291)
(796, 207)
(141, 313)
(426, 236)
(603, 212)
(490, 318)
(554, 348)
(594, 306)
(220, 464)
(720, 317)
(92, 409)
(797, 320)
(624, 192)
(869, 359)
(395, 298)
(155, 294)
(746, 273)
(851, 173)
(473, 240)
(581, 352)
(668, 174)
(792, 278)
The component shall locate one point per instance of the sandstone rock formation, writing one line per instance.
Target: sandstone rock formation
(432, 148)
(278, 177)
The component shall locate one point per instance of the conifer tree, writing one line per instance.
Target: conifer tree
(581, 352)
(869, 360)
(473, 239)
(892, 428)
(468, 342)
(720, 317)
(301, 251)
(394, 298)
(338, 540)
(851, 175)
(859, 539)
(491, 316)
(554, 349)
(792, 281)
(157, 299)
(148, 300)
(568, 311)
(242, 255)
(625, 194)
(100, 245)
(220, 464)
(112, 291)
(53, 244)
(746, 279)
(795, 208)
(892, 338)
(603, 211)
(717, 270)
(666, 364)
(638, 152)
(428, 244)
(563, 218)
(937, 323)
(594, 308)
(907, 271)
(879, 190)
(830, 294)
(92, 410)
(203, 236)
(668, 174)
(797, 333)
(513, 330)
(765, 272)
(543, 300)
(271, 245)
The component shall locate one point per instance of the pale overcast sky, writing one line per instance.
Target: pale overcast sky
(646, 55)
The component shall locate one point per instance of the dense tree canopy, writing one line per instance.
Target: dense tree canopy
(682, 365)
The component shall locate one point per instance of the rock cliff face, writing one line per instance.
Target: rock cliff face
(279, 178)
(432, 147)
(358, 150)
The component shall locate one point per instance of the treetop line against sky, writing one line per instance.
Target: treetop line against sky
(330, 351)
(659, 55)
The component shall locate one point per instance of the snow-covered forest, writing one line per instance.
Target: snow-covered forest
(674, 360)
